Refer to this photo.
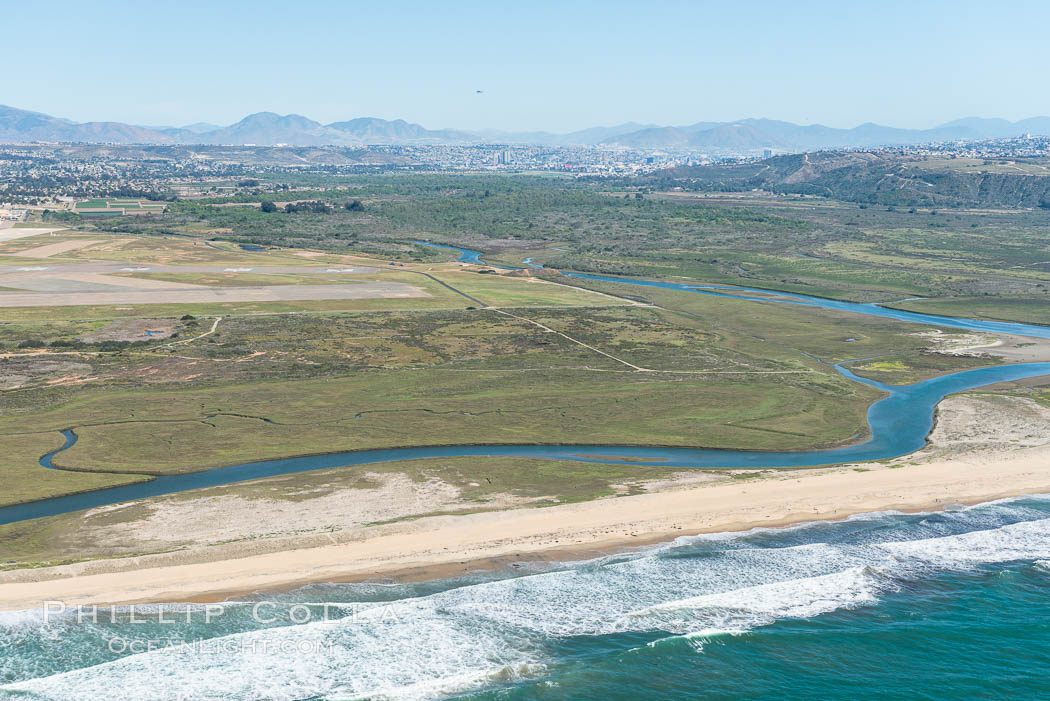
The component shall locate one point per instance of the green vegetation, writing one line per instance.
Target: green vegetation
(396, 210)
(130, 206)
(810, 245)
(830, 336)
(185, 430)
(26, 480)
(1030, 310)
(562, 365)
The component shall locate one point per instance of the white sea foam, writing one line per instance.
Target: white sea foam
(1017, 541)
(416, 659)
(468, 635)
(477, 634)
(448, 685)
(743, 609)
(13, 619)
(696, 635)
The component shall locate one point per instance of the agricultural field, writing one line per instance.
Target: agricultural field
(118, 206)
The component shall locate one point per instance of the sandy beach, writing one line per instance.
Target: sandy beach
(980, 451)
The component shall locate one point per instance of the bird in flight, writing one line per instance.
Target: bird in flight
(478, 92)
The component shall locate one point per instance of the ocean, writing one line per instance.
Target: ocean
(925, 606)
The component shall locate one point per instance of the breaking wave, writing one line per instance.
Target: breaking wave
(444, 639)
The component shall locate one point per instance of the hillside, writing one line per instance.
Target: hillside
(877, 179)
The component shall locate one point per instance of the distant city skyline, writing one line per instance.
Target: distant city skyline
(543, 66)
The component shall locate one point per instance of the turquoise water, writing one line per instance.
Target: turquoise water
(928, 606)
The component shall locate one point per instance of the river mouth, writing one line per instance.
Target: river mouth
(898, 423)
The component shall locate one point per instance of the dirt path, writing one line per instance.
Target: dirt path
(209, 332)
(637, 368)
(576, 341)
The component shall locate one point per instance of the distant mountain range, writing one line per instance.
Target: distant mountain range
(749, 135)
(742, 137)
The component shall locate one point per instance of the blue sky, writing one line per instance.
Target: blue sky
(542, 65)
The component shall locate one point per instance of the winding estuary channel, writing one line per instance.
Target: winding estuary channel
(899, 422)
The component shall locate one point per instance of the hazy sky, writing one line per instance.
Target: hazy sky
(542, 65)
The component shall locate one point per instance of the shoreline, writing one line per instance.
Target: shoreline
(437, 547)
(551, 557)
